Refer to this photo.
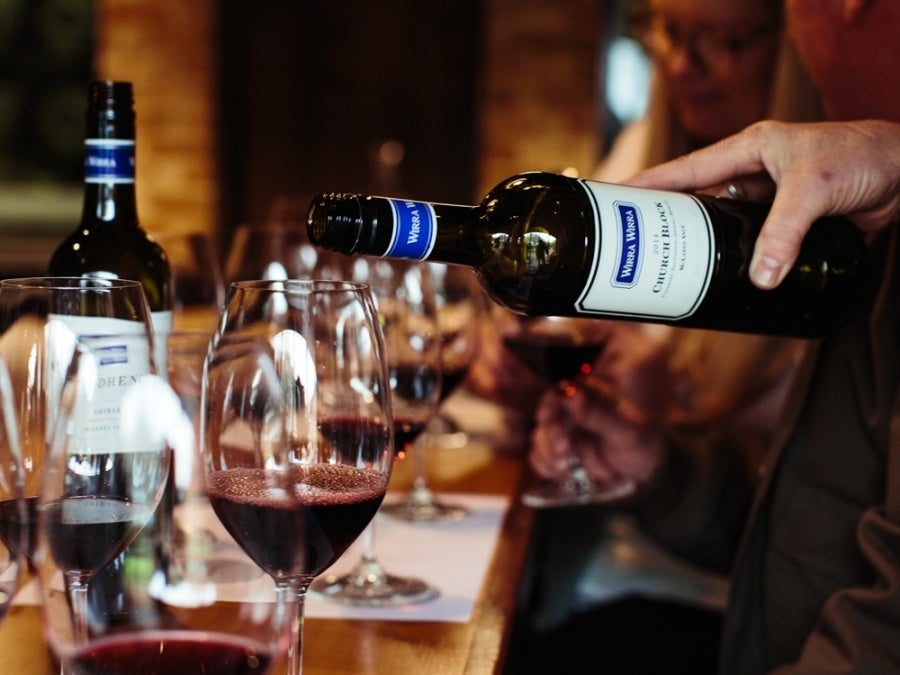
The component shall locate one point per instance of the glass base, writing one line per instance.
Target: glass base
(368, 585)
(577, 491)
(422, 506)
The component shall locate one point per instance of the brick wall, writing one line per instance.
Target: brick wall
(537, 101)
(167, 49)
(539, 87)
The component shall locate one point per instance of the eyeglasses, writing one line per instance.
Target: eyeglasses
(718, 50)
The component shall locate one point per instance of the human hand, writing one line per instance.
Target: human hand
(829, 168)
(611, 420)
(498, 375)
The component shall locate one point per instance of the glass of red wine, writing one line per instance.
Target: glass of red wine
(123, 456)
(404, 296)
(461, 308)
(101, 484)
(12, 505)
(41, 319)
(563, 350)
(297, 430)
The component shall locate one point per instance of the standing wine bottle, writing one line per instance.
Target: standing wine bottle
(545, 244)
(109, 239)
(110, 242)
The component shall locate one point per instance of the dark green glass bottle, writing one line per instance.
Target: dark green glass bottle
(545, 244)
(109, 239)
(110, 242)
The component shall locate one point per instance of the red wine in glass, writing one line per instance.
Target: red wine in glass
(86, 533)
(410, 382)
(18, 528)
(413, 381)
(302, 531)
(561, 354)
(451, 378)
(554, 357)
(406, 431)
(173, 653)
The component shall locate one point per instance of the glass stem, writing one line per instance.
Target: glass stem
(420, 495)
(578, 482)
(291, 597)
(77, 589)
(368, 572)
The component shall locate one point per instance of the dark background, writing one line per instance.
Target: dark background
(330, 88)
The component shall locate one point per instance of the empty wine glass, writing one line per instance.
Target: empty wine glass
(198, 285)
(404, 293)
(297, 430)
(562, 350)
(13, 519)
(279, 248)
(185, 353)
(115, 452)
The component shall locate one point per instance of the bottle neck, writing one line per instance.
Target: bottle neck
(455, 234)
(113, 203)
(396, 228)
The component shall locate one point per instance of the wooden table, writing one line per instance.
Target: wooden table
(385, 647)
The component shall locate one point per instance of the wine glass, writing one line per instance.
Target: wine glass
(100, 487)
(185, 353)
(12, 506)
(198, 285)
(561, 350)
(297, 431)
(116, 453)
(41, 319)
(404, 293)
(279, 248)
(461, 308)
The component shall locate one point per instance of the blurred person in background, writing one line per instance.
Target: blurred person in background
(718, 65)
(816, 584)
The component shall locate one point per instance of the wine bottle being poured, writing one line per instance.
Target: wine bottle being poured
(546, 244)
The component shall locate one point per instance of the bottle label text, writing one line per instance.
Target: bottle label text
(414, 230)
(654, 253)
(108, 160)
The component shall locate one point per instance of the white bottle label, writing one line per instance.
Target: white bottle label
(654, 255)
(162, 326)
(121, 361)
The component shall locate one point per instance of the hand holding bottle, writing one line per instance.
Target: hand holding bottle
(549, 245)
(612, 422)
(820, 169)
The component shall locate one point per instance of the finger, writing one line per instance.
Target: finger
(596, 466)
(551, 408)
(540, 458)
(734, 157)
(757, 188)
(791, 216)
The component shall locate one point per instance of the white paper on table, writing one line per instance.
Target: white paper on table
(452, 556)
